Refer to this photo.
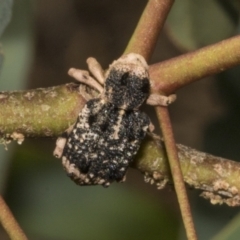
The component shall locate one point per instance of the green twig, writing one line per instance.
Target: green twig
(170, 75)
(145, 36)
(9, 223)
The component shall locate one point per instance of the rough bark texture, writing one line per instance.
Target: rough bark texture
(47, 112)
(217, 177)
(39, 112)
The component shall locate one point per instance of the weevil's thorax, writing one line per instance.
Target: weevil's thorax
(127, 83)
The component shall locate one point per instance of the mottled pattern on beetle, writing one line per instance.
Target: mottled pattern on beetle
(108, 132)
(103, 143)
(124, 89)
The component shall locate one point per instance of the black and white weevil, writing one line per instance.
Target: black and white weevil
(108, 132)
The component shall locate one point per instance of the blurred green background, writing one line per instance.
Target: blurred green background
(43, 40)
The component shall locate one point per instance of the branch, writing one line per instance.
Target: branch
(9, 223)
(39, 112)
(144, 38)
(200, 170)
(216, 176)
(33, 112)
(47, 112)
(170, 75)
(143, 42)
(176, 172)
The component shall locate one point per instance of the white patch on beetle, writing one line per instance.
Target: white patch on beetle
(100, 146)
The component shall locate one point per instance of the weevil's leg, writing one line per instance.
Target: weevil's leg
(151, 127)
(156, 138)
(83, 77)
(123, 179)
(96, 70)
(161, 100)
(84, 92)
(61, 141)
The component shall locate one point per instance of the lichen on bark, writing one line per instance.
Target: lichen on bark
(47, 112)
(216, 176)
(42, 112)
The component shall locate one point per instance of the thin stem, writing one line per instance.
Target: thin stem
(143, 42)
(165, 123)
(9, 223)
(170, 75)
(145, 36)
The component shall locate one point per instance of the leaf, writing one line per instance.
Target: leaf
(5, 14)
(17, 57)
(192, 24)
(49, 205)
(231, 231)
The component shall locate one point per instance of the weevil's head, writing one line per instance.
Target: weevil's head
(127, 83)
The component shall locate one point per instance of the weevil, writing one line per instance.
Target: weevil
(99, 147)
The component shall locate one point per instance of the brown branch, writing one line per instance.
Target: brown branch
(172, 153)
(145, 36)
(143, 42)
(9, 223)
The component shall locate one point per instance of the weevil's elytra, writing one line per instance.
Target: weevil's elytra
(108, 132)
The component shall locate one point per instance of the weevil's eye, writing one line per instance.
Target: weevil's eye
(124, 78)
(145, 88)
